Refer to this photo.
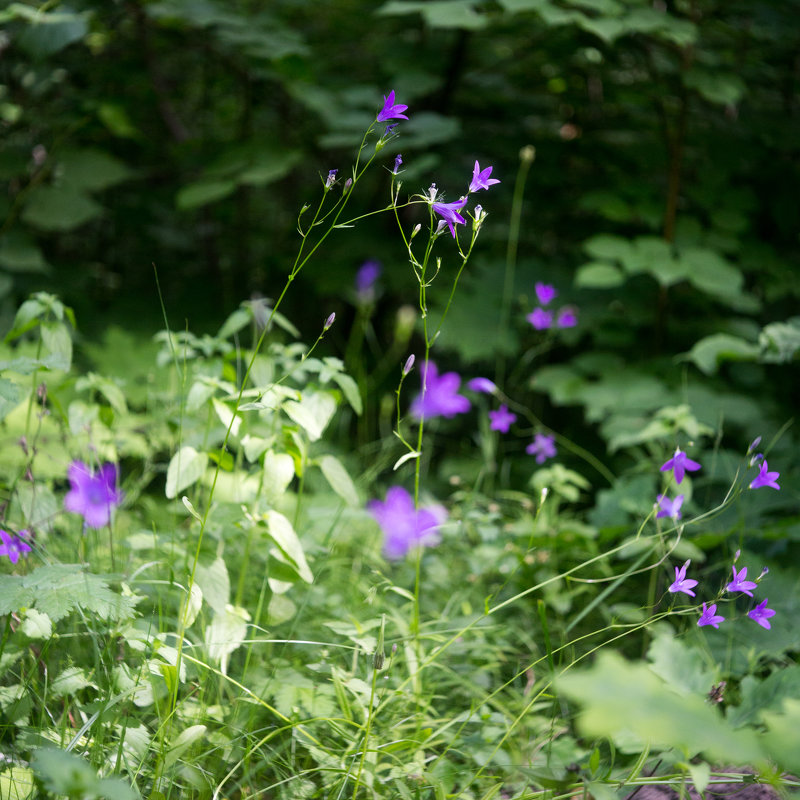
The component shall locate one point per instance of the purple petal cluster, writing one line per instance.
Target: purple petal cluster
(439, 396)
(765, 478)
(669, 508)
(366, 278)
(502, 419)
(480, 178)
(710, 616)
(403, 525)
(542, 319)
(449, 213)
(92, 495)
(391, 110)
(761, 614)
(681, 582)
(740, 582)
(680, 464)
(543, 447)
(14, 546)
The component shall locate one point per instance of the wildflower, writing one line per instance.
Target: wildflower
(366, 277)
(761, 614)
(482, 385)
(390, 110)
(329, 321)
(567, 318)
(740, 582)
(409, 365)
(680, 463)
(439, 396)
(669, 508)
(480, 216)
(389, 130)
(755, 443)
(545, 292)
(398, 160)
(449, 213)
(403, 525)
(543, 447)
(540, 319)
(681, 582)
(502, 419)
(331, 179)
(14, 546)
(710, 616)
(765, 478)
(92, 495)
(481, 179)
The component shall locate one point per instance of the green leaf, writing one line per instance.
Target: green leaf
(203, 192)
(282, 533)
(607, 247)
(439, 13)
(16, 783)
(716, 87)
(597, 275)
(70, 681)
(185, 468)
(779, 341)
(19, 253)
(313, 412)
(50, 32)
(92, 170)
(350, 390)
(10, 397)
(214, 582)
(227, 632)
(59, 208)
(278, 473)
(58, 342)
(36, 625)
(183, 742)
(683, 668)
(712, 351)
(339, 480)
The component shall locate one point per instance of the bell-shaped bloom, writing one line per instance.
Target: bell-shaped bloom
(439, 396)
(502, 419)
(14, 545)
(710, 616)
(543, 447)
(669, 508)
(481, 179)
(403, 525)
(92, 495)
(545, 292)
(449, 213)
(366, 278)
(761, 614)
(681, 582)
(540, 319)
(765, 478)
(391, 110)
(740, 582)
(482, 385)
(680, 464)
(567, 318)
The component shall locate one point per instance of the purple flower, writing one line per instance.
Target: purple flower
(331, 179)
(680, 463)
(501, 419)
(449, 213)
(681, 582)
(390, 110)
(669, 508)
(765, 478)
(540, 319)
(92, 495)
(14, 546)
(567, 318)
(403, 525)
(481, 179)
(482, 385)
(710, 616)
(740, 582)
(761, 614)
(368, 273)
(755, 443)
(545, 292)
(398, 160)
(389, 130)
(543, 447)
(439, 396)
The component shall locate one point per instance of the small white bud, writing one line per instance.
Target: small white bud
(329, 322)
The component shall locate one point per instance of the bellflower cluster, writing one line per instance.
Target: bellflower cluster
(14, 546)
(449, 212)
(502, 419)
(542, 319)
(92, 495)
(543, 447)
(403, 525)
(439, 396)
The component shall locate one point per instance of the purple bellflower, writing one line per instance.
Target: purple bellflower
(93, 496)
(761, 614)
(403, 525)
(398, 160)
(439, 396)
(669, 508)
(391, 110)
(480, 178)
(545, 292)
(740, 582)
(449, 213)
(482, 385)
(366, 277)
(710, 616)
(567, 318)
(540, 319)
(681, 582)
(14, 546)
(765, 478)
(502, 419)
(543, 447)
(680, 463)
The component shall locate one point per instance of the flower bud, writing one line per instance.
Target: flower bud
(527, 154)
(347, 185)
(329, 321)
(398, 160)
(409, 365)
(417, 229)
(331, 179)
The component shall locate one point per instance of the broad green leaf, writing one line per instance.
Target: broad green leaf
(780, 341)
(19, 253)
(17, 783)
(202, 193)
(712, 351)
(94, 382)
(226, 416)
(183, 742)
(607, 247)
(597, 275)
(440, 13)
(48, 33)
(59, 208)
(92, 170)
(280, 609)
(10, 397)
(278, 474)
(312, 413)
(683, 668)
(339, 479)
(765, 695)
(782, 739)
(214, 582)
(282, 533)
(70, 681)
(716, 87)
(36, 625)
(350, 390)
(57, 341)
(185, 468)
(226, 633)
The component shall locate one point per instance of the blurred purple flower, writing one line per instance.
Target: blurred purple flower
(481, 179)
(14, 546)
(740, 582)
(482, 385)
(403, 525)
(669, 508)
(567, 318)
(710, 616)
(545, 292)
(449, 213)
(543, 447)
(680, 463)
(390, 110)
(765, 478)
(366, 277)
(540, 319)
(390, 130)
(502, 419)
(439, 396)
(755, 443)
(761, 614)
(93, 496)
(681, 582)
